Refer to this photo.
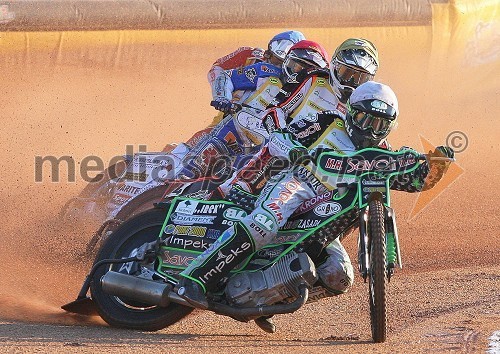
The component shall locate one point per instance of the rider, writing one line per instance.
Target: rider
(304, 94)
(254, 85)
(218, 78)
(372, 112)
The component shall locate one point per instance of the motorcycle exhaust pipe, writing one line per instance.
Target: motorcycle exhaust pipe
(138, 289)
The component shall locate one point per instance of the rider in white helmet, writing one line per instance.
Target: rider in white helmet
(373, 111)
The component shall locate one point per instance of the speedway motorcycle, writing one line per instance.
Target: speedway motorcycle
(134, 184)
(134, 279)
(138, 180)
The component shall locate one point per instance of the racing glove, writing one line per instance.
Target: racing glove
(444, 151)
(284, 145)
(438, 168)
(222, 104)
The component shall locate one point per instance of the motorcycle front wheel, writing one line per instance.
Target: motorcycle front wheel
(123, 243)
(377, 274)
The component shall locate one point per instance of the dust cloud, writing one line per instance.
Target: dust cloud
(86, 102)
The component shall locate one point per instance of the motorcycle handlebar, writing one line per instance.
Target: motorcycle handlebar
(235, 107)
(430, 157)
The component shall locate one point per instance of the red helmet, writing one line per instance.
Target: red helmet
(304, 55)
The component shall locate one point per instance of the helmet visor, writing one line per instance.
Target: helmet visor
(367, 121)
(348, 75)
(294, 65)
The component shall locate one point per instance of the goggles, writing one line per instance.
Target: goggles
(295, 65)
(347, 75)
(368, 121)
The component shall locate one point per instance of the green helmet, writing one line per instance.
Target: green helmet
(354, 62)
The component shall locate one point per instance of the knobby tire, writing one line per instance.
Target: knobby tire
(377, 273)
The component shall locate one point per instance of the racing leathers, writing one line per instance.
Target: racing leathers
(241, 57)
(294, 108)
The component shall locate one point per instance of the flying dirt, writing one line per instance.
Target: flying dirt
(74, 100)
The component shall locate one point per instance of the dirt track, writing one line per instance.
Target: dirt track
(447, 297)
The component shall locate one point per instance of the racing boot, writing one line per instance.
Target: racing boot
(266, 324)
(204, 273)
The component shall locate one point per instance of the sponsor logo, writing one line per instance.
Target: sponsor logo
(269, 123)
(258, 229)
(366, 165)
(374, 189)
(289, 237)
(315, 106)
(275, 208)
(268, 69)
(301, 224)
(327, 209)
(187, 230)
(379, 105)
(333, 164)
(213, 234)
(183, 219)
(234, 214)
(188, 244)
(209, 208)
(293, 101)
(265, 221)
(263, 102)
(406, 160)
(274, 81)
(367, 182)
(316, 127)
(120, 198)
(176, 259)
(186, 207)
(341, 108)
(279, 145)
(201, 194)
(269, 253)
(286, 193)
(132, 176)
(250, 74)
(292, 79)
(311, 203)
(129, 189)
(225, 260)
(209, 155)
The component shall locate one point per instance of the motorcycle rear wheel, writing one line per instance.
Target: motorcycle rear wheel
(377, 272)
(122, 312)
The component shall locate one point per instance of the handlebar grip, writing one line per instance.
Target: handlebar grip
(235, 107)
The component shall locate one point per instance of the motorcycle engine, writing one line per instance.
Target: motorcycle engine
(274, 284)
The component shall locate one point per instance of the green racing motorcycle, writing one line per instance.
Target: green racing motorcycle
(134, 277)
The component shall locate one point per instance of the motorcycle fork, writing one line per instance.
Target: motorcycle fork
(364, 242)
(392, 231)
(363, 260)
